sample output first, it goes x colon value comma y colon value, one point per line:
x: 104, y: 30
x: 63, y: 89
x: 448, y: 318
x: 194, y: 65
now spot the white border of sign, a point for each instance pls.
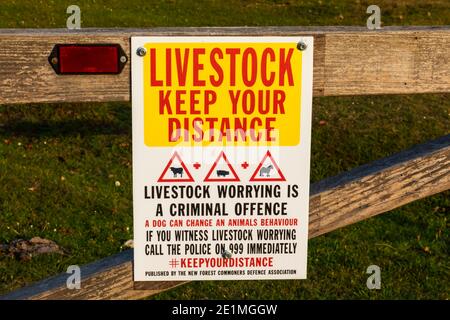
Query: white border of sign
x: 139, y: 156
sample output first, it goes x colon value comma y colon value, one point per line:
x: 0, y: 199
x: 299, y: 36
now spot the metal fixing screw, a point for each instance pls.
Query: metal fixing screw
x: 54, y: 60
x: 141, y: 51
x: 123, y: 59
x: 302, y: 46
x: 226, y: 254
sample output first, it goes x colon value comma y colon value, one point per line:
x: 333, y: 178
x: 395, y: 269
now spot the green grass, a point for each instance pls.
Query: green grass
x: 90, y: 146
x: 150, y: 13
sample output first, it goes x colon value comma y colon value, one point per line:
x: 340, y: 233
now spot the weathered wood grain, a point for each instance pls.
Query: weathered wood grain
x: 347, y: 61
x: 379, y: 186
x: 334, y: 203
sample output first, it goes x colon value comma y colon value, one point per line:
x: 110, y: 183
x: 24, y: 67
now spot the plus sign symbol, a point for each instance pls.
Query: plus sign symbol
x: 197, y: 165
x: 244, y: 165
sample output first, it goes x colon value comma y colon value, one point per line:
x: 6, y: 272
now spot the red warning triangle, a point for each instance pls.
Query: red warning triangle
x: 221, y: 174
x: 178, y: 173
x: 266, y: 173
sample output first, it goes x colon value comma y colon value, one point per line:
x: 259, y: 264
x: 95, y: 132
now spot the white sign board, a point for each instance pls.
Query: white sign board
x: 221, y: 152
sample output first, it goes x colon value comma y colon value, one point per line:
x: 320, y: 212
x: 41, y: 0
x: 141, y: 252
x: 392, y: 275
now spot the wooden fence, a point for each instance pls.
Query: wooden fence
x: 347, y: 61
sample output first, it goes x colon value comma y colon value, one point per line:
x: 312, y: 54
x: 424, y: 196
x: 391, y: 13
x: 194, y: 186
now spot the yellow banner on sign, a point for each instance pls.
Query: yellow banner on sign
x: 222, y: 94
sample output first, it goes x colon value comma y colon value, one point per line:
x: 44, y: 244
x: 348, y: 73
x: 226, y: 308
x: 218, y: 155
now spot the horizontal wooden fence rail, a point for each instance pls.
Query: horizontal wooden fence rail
x: 335, y: 202
x: 347, y: 61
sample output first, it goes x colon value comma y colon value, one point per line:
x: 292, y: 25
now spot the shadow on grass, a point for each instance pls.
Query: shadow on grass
x: 63, y: 128
x: 65, y: 120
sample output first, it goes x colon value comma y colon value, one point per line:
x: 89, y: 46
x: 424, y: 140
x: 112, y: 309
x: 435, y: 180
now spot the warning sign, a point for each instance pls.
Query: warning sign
x: 221, y: 150
x: 175, y: 171
x: 268, y: 170
x: 223, y: 172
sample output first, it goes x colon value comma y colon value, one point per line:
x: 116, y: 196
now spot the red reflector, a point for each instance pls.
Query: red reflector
x: 87, y: 59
